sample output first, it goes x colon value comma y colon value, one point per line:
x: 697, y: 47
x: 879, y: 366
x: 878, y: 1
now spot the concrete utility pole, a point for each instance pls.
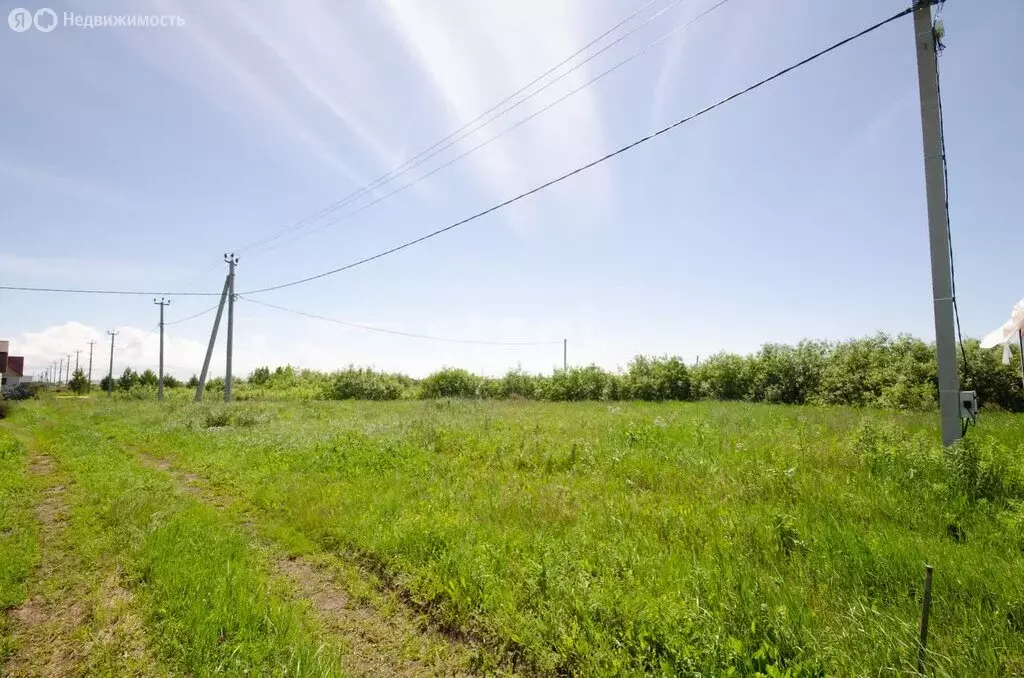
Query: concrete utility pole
x: 77, y: 352
x: 160, y: 382
x: 1020, y: 344
x: 67, y: 372
x: 213, y: 338
x: 565, y: 355
x: 938, y: 221
x: 232, y: 262
x: 91, y: 344
x: 110, y: 374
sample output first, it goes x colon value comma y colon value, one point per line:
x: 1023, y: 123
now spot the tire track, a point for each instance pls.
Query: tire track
x: 381, y: 635
x: 72, y: 623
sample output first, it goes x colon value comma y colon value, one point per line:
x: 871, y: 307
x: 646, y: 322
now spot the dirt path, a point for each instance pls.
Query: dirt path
x: 383, y: 637
x: 72, y: 622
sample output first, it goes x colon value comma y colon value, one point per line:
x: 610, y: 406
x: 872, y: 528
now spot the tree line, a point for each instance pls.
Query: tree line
x: 879, y: 371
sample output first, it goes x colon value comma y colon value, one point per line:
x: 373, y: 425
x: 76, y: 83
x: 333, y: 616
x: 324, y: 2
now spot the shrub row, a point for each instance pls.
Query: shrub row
x: 879, y: 371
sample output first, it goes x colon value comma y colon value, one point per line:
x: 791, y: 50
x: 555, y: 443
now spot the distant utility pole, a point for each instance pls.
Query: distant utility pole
x: 67, y: 372
x: 232, y: 262
x: 78, y: 351
x: 938, y: 220
x: 110, y: 374
x: 565, y: 355
x: 160, y: 383
x: 213, y: 338
x: 91, y: 344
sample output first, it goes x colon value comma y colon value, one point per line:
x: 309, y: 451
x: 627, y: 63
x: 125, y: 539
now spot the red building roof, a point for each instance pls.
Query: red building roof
x: 16, y: 365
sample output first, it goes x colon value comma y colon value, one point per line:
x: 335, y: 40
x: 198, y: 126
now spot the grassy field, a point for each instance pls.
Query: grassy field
x: 455, y: 537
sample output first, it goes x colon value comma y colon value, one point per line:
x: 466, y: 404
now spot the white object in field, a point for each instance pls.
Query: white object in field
x: 969, y: 405
x: 1008, y: 331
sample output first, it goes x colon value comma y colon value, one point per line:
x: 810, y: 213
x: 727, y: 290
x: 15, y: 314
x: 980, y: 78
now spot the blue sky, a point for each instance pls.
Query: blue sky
x: 132, y: 158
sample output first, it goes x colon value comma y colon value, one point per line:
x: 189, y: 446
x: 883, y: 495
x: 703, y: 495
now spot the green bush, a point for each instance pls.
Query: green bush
x: 657, y: 379
x: 723, y: 376
x: 450, y: 383
x: 260, y: 376
x: 79, y: 384
x: 127, y: 379
x: 579, y: 383
x: 365, y: 384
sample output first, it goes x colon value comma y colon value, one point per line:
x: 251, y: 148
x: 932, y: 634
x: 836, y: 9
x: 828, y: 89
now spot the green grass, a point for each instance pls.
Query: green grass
x: 586, y: 538
x: 207, y: 601
x: 19, y: 547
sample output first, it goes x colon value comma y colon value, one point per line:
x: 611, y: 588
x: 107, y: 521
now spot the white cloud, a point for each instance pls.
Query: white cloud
x: 477, y: 53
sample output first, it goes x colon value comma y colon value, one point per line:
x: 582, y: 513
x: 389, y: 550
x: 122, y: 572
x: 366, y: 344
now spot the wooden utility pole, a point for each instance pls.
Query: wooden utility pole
x: 160, y: 381
x: 926, y: 606
x: 938, y: 220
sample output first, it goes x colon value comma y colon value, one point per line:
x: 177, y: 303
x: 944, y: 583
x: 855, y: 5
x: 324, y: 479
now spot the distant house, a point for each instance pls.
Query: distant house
x: 12, y: 367
x: 15, y: 373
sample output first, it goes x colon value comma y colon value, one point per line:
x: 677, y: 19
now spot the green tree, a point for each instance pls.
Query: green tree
x: 79, y: 384
x: 105, y: 383
x: 127, y: 379
x: 171, y: 382
x: 259, y: 376
x: 148, y: 378
x: 193, y: 382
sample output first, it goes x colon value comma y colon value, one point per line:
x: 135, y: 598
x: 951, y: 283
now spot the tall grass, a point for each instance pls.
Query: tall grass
x: 19, y: 547
x: 210, y: 604
x: 667, y: 538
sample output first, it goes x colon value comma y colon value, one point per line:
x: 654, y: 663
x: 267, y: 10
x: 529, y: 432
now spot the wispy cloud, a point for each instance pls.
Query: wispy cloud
x: 47, y: 181
x: 476, y: 53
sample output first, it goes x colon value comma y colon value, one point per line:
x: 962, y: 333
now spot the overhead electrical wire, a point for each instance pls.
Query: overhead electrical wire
x: 583, y: 168
x: 401, y: 333
x: 510, y: 201
x: 191, y: 317
x: 462, y: 132
x: 63, y: 290
x: 502, y: 133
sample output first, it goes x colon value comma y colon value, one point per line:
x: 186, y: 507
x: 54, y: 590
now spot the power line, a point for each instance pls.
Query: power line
x: 62, y: 290
x: 191, y: 317
x: 400, y: 333
x: 497, y: 136
x: 593, y: 163
x: 461, y: 133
